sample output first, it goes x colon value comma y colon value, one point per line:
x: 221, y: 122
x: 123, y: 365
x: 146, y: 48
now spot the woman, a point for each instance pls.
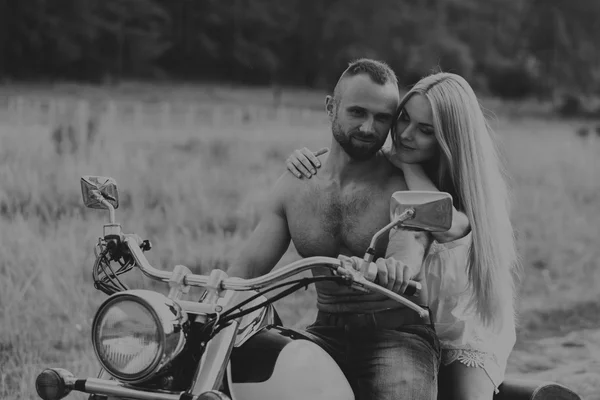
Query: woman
x: 442, y: 141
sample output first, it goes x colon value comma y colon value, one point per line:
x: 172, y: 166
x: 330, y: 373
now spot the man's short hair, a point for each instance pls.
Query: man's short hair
x: 378, y: 71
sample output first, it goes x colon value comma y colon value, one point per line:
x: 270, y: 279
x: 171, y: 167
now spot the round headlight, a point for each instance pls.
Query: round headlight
x: 135, y: 333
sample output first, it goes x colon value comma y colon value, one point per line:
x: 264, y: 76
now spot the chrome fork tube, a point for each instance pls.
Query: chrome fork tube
x: 210, y: 373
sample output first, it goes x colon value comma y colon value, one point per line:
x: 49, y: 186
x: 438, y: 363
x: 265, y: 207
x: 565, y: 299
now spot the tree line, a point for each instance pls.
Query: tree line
x: 513, y: 48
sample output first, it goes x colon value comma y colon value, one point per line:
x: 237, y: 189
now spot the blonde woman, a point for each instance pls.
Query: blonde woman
x: 442, y: 141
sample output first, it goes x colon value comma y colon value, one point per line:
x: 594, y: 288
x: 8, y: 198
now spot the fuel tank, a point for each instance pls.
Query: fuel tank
x: 282, y: 364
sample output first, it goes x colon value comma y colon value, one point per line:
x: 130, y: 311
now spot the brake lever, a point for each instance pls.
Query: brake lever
x: 357, y: 277
x: 359, y: 282
x: 368, y: 271
x: 353, y: 277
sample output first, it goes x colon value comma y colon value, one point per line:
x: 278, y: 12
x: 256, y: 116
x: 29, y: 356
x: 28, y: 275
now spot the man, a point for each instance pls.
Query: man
x: 385, y: 350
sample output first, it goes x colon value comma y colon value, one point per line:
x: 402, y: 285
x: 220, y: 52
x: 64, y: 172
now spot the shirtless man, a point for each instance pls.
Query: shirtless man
x: 385, y: 350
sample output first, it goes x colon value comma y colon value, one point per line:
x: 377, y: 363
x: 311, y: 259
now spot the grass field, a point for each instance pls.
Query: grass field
x: 193, y: 193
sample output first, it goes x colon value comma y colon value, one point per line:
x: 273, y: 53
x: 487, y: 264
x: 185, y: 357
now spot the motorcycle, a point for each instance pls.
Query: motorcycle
x: 230, y: 344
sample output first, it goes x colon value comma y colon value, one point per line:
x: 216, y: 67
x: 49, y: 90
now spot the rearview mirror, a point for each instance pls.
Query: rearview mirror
x: 431, y: 211
x: 95, y: 189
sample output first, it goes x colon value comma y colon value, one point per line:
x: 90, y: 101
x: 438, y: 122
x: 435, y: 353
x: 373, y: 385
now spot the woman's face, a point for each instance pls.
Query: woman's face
x: 415, y: 137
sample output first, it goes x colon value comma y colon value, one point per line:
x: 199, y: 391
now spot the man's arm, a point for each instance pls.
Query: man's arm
x: 269, y: 240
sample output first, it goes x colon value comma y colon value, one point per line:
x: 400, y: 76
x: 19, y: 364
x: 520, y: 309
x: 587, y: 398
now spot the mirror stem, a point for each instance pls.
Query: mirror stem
x: 111, y: 211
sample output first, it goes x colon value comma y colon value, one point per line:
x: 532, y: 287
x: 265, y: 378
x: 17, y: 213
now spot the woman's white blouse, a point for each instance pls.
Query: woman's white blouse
x: 462, y: 335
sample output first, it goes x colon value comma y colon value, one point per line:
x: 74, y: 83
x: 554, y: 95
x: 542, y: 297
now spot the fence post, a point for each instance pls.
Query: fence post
x: 138, y: 116
x: 190, y: 118
x: 20, y: 111
x: 110, y: 116
x: 165, y: 114
x: 82, y: 120
x: 217, y: 116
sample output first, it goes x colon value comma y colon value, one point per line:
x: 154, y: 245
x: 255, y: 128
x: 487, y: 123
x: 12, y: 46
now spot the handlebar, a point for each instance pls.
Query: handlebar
x: 141, y: 261
x: 238, y: 284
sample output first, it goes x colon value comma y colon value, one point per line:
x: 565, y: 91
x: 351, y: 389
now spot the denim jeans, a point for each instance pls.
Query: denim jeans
x: 382, y: 363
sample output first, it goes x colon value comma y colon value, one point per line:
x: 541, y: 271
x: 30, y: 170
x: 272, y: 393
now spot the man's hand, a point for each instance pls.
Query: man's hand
x: 390, y: 273
x: 393, y: 274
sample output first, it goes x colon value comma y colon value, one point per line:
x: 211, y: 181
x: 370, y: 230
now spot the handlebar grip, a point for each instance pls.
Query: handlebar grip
x: 413, y: 288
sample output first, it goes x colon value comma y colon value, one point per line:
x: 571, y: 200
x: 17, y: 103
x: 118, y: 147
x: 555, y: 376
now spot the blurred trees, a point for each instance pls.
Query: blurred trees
x: 81, y: 38
x: 512, y: 48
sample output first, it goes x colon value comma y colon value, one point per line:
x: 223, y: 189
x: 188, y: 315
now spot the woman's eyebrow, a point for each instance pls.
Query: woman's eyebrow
x: 420, y: 123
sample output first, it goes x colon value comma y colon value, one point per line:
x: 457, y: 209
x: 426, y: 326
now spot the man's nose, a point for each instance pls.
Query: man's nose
x: 368, y: 126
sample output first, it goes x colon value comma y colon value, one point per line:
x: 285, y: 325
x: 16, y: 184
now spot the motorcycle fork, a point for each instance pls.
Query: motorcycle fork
x: 214, y: 361
x: 215, y: 358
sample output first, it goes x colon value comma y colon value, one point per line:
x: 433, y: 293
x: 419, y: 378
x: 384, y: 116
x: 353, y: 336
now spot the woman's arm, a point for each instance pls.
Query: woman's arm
x: 417, y: 179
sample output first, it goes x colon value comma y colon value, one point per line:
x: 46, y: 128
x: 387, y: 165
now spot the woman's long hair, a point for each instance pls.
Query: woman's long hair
x: 469, y: 168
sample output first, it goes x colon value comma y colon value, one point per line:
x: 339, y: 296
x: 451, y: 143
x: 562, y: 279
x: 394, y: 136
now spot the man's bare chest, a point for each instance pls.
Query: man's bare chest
x: 327, y: 220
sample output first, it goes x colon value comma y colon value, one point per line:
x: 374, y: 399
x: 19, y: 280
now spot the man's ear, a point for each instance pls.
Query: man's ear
x: 330, y: 106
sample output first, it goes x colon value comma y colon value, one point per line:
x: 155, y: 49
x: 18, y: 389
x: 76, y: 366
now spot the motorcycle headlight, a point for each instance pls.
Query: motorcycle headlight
x: 136, y: 333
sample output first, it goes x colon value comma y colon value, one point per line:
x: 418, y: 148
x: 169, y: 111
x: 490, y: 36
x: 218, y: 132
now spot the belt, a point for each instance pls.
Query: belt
x: 387, y: 319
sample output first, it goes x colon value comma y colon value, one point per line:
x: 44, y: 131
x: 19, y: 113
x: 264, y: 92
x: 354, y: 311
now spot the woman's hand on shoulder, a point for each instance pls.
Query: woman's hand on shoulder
x: 389, y: 151
x: 303, y: 162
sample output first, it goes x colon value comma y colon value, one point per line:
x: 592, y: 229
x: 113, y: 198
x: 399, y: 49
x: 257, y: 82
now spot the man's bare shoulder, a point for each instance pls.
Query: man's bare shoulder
x: 284, y: 189
x: 288, y: 184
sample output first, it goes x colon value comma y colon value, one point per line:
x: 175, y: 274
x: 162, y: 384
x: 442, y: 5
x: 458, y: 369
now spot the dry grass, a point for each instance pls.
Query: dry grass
x: 194, y: 195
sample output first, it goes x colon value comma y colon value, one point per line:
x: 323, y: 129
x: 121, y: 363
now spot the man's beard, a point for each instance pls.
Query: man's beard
x: 357, y: 153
